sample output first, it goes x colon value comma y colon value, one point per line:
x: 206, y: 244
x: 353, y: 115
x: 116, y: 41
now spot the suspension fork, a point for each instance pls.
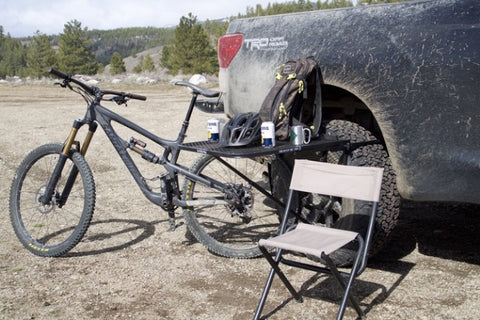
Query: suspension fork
x: 73, y: 174
x: 64, y: 155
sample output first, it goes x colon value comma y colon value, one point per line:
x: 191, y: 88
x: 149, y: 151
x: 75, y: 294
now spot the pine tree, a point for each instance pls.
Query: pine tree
x: 40, y: 56
x: 148, y: 64
x: 191, y: 50
x: 117, y: 65
x: 2, y: 41
x: 165, y: 58
x: 74, y: 55
x: 139, y: 67
x: 12, y: 57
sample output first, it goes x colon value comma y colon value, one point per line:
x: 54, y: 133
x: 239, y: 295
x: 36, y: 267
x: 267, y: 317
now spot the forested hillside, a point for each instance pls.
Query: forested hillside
x: 127, y: 41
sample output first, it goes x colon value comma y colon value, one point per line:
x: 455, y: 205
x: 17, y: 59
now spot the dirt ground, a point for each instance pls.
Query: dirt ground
x: 129, y: 266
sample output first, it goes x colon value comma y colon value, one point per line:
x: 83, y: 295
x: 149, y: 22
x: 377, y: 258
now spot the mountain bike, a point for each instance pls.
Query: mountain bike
x: 52, y: 197
x: 231, y: 197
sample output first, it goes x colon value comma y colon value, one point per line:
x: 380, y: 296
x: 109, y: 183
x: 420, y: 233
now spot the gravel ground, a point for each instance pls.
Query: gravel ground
x: 129, y: 266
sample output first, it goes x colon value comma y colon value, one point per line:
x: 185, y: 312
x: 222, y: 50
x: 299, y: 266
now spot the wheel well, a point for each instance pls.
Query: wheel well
x: 338, y: 103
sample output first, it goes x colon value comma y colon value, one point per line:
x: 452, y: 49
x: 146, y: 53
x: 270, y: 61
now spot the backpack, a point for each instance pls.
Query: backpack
x: 295, y: 98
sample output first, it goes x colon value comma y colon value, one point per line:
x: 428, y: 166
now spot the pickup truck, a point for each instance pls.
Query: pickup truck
x: 407, y: 74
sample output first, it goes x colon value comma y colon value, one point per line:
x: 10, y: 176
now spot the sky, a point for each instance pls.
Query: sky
x: 23, y: 18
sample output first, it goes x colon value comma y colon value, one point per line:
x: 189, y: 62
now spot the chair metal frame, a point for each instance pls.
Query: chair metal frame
x: 373, y: 178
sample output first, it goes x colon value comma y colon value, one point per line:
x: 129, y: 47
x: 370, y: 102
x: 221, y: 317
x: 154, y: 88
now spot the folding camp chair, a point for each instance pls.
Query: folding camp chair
x: 360, y: 183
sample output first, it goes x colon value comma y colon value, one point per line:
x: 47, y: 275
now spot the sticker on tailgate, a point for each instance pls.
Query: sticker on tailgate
x: 272, y: 43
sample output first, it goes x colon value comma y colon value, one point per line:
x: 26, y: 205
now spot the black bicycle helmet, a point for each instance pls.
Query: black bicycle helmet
x: 242, y: 129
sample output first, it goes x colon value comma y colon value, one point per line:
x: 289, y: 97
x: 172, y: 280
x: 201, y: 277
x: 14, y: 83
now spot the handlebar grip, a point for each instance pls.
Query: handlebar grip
x: 58, y: 73
x: 137, y: 96
x: 69, y: 78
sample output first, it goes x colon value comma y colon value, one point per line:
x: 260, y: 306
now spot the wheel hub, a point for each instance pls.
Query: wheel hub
x: 241, y: 201
x: 45, y: 208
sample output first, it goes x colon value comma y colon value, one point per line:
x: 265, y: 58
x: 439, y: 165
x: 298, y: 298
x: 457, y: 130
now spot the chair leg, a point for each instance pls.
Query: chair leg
x: 281, y: 275
x: 346, y: 287
x: 263, y: 298
x: 275, y: 269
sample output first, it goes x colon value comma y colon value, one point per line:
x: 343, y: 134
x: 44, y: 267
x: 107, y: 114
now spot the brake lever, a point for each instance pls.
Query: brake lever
x: 64, y: 84
x: 120, y: 100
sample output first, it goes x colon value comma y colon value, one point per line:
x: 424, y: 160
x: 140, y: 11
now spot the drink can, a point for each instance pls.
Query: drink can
x: 268, y: 134
x: 213, y: 130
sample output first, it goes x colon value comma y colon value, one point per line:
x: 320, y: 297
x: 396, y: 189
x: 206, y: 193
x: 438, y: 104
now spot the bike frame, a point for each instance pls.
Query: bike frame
x: 170, y: 196
x: 104, y: 117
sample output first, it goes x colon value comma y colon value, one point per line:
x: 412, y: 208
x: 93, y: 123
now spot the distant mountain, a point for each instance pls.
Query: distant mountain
x: 127, y: 41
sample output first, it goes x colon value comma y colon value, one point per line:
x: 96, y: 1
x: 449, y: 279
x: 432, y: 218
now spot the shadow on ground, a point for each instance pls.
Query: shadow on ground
x: 448, y: 231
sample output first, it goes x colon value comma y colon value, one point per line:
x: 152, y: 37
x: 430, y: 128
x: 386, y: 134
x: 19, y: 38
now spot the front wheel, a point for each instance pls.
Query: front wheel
x: 233, y: 229
x: 51, y: 228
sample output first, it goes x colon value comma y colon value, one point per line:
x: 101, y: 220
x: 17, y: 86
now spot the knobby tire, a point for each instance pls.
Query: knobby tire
x: 48, y: 230
x: 214, y: 226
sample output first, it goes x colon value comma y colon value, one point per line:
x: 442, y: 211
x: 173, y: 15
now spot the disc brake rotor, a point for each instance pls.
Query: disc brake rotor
x: 44, y: 209
x: 240, y: 200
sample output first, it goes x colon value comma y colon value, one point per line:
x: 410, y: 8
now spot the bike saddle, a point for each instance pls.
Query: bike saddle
x: 198, y: 90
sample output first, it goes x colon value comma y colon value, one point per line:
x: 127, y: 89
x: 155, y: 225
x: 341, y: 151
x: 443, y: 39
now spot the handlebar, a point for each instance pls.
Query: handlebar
x: 94, y: 90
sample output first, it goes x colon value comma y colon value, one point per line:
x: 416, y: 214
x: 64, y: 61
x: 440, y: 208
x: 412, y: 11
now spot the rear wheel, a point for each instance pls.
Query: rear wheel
x: 233, y: 230
x: 51, y: 229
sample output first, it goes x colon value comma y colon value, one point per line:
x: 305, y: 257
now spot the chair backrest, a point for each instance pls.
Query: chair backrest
x: 361, y: 183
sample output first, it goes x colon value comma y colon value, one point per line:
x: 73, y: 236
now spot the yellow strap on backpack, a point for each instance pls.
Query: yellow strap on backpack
x: 282, y: 112
x: 301, y: 86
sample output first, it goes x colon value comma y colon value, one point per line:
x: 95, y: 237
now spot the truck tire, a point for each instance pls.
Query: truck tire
x: 354, y: 214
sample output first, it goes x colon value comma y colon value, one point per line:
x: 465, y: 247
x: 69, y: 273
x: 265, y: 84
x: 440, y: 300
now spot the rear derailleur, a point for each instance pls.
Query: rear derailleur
x: 240, y: 201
